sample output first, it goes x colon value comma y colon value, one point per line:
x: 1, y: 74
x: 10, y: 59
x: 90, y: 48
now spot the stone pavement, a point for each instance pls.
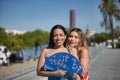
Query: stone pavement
x: 106, y: 66
x: 30, y: 76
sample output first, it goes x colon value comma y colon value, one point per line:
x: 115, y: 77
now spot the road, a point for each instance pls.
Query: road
x: 106, y: 66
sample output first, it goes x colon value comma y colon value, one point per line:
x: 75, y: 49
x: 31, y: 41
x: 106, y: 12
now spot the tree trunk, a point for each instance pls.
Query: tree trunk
x: 111, y: 25
x: 22, y: 53
x: 36, y: 49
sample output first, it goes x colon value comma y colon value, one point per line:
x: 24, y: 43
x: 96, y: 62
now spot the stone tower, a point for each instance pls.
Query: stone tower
x: 72, y: 19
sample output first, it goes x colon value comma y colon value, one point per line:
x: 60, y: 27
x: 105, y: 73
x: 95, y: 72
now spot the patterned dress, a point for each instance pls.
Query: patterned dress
x: 59, y: 78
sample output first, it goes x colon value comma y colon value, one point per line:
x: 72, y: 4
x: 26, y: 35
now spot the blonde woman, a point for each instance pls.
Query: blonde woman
x: 77, y: 46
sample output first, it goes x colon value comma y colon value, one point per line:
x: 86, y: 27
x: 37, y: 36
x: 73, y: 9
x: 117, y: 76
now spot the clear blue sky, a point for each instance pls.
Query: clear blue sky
x: 29, y: 15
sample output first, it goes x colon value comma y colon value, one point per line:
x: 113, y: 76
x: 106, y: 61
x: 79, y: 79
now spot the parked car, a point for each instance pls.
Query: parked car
x: 109, y: 45
x: 15, y: 57
x: 4, y: 55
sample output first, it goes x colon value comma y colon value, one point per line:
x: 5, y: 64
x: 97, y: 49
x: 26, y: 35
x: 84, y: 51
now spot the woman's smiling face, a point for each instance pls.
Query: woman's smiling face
x: 59, y: 37
x: 73, y: 39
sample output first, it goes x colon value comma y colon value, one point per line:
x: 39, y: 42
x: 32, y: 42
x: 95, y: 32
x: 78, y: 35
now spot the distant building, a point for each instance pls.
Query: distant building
x: 90, y: 37
x: 15, y: 32
x: 114, y: 40
x: 72, y: 19
x: 90, y: 34
x: 87, y: 32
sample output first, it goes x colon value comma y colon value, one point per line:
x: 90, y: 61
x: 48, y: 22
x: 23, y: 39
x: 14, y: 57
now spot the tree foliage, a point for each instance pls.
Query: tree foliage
x: 4, y: 40
x: 117, y: 32
x: 18, y: 42
x: 109, y: 9
x: 102, y: 37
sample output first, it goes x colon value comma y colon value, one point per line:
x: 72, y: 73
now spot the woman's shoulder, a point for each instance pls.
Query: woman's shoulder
x: 44, y: 51
x: 47, y: 51
x: 84, y: 51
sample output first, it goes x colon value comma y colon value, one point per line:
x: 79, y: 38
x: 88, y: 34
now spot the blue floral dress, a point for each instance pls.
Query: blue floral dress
x: 59, y: 78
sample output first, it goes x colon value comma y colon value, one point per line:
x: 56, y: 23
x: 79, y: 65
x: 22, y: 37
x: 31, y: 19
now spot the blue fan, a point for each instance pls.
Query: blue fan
x: 62, y: 61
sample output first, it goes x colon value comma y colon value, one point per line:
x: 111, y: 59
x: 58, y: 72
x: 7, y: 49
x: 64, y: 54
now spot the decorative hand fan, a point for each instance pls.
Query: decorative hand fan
x: 62, y: 61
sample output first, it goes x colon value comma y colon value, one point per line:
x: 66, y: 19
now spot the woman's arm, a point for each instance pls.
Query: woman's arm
x: 85, y: 60
x: 41, y: 63
x: 77, y: 76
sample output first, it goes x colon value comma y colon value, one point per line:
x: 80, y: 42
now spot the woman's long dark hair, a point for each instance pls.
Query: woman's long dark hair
x: 51, y: 42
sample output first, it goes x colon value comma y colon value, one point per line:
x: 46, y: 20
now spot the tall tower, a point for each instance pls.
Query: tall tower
x: 72, y: 19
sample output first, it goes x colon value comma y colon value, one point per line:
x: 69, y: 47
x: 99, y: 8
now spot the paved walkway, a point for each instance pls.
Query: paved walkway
x: 106, y: 66
x: 30, y: 76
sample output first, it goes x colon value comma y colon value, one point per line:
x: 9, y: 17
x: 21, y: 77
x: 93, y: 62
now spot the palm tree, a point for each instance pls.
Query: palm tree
x: 105, y: 23
x: 109, y: 10
x: 117, y: 32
